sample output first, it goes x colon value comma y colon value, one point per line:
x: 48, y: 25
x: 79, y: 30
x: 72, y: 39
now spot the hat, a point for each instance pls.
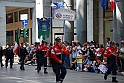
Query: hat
x: 43, y: 41
x: 37, y: 42
x: 112, y: 42
x: 56, y: 39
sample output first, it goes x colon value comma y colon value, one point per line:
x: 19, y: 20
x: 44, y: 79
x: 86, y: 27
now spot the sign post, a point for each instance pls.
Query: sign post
x: 24, y: 18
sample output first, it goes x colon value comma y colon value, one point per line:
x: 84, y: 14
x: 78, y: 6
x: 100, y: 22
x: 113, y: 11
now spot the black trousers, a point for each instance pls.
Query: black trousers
x: 122, y: 66
x: 11, y: 61
x: 1, y: 61
x: 112, y: 67
x: 60, y: 71
x: 42, y: 61
x: 22, y: 63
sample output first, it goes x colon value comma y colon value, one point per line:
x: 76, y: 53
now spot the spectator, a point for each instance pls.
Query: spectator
x: 103, y: 66
x: 122, y: 58
x: 107, y: 42
x: 74, y: 54
x: 79, y: 60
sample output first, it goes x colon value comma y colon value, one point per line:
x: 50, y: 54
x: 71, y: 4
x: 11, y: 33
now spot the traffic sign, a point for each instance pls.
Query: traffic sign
x: 24, y: 22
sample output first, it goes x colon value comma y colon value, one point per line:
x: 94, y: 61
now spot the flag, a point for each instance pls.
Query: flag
x: 9, y: 17
x: 104, y: 4
x: 16, y: 47
x: 43, y: 28
x: 55, y: 6
x: 112, y: 4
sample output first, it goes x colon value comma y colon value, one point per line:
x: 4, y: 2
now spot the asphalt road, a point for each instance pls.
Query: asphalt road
x: 30, y: 75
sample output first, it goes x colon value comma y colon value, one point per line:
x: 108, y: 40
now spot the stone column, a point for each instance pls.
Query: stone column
x: 100, y: 26
x: 2, y: 25
x: 120, y: 20
x: 69, y: 25
x: 81, y: 17
x: 89, y: 20
x: 37, y: 13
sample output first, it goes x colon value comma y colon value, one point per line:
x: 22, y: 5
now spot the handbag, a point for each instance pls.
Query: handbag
x: 121, y: 55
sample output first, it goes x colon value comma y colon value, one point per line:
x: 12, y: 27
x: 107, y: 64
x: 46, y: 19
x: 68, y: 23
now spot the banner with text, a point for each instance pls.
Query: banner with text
x: 64, y: 14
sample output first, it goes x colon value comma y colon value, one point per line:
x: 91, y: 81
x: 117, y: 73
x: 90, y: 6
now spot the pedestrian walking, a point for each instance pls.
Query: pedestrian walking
x: 111, y: 53
x: 9, y: 54
x: 58, y: 54
x: 1, y: 55
x: 22, y: 55
x: 42, y: 57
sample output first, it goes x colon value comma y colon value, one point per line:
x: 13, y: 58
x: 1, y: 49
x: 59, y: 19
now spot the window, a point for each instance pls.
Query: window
x: 16, y: 16
x: 9, y: 18
x: 108, y: 5
x: 23, y: 12
x: 9, y: 37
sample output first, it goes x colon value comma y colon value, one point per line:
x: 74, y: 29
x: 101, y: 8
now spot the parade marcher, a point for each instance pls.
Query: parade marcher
x: 58, y: 54
x: 42, y: 59
x: 9, y: 54
x: 1, y: 55
x: 36, y: 50
x: 48, y: 54
x: 22, y: 55
x: 111, y: 53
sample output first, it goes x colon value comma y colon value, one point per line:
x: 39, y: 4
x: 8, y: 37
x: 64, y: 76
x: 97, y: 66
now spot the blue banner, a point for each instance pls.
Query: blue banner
x: 43, y: 27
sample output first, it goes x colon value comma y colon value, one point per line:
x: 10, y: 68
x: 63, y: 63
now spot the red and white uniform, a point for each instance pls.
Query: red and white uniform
x: 109, y: 51
x: 58, y: 50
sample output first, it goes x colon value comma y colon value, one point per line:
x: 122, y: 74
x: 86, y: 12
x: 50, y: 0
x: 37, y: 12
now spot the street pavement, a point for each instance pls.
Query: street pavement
x: 30, y: 75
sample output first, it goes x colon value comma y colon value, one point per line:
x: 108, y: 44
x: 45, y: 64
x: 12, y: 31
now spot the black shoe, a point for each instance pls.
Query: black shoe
x: 23, y: 69
x: 58, y: 82
x: 38, y: 70
x: 114, y: 79
x: 45, y: 72
x: 6, y: 67
x: 11, y: 67
x: 2, y: 65
x: 105, y: 76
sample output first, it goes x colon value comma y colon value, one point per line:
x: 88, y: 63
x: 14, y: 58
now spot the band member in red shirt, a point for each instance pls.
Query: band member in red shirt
x: 111, y: 53
x: 58, y: 53
x: 42, y: 57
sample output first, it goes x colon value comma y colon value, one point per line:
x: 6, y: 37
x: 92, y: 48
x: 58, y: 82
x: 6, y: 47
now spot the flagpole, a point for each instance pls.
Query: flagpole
x: 18, y: 30
x: 51, y: 26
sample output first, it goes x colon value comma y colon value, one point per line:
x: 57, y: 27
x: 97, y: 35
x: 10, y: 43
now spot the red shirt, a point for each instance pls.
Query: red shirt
x: 58, y: 50
x: 43, y: 48
x: 109, y: 51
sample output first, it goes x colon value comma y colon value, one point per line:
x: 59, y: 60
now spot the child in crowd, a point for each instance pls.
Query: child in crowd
x: 88, y: 64
x: 78, y: 61
x: 103, y: 66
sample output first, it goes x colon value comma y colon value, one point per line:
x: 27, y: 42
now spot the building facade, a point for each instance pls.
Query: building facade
x: 98, y: 22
